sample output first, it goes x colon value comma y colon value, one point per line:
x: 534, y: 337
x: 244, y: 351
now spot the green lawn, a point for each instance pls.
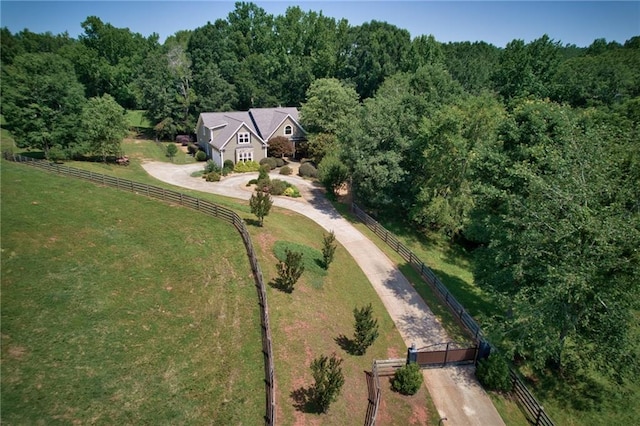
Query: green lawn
x: 119, y: 310
x: 305, y: 324
x: 136, y: 118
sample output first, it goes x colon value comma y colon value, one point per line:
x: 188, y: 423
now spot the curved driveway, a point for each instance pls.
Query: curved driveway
x: 455, y: 391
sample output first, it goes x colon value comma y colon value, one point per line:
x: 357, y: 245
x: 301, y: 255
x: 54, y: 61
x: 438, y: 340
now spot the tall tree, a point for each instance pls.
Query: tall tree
x: 104, y: 125
x: 260, y: 203
x: 560, y: 234
x: 329, y: 108
x: 377, y: 50
x: 528, y: 69
x: 445, y: 150
x: 41, y: 101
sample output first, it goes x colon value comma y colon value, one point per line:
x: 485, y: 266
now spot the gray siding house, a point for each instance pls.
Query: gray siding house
x: 244, y: 135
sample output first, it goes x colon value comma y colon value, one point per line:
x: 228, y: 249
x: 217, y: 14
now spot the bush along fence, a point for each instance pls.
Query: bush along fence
x: 203, y: 206
x: 532, y: 409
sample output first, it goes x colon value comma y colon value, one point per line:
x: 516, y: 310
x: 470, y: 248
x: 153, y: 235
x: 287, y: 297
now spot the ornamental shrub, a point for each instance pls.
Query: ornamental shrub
x: 277, y: 187
x: 307, y: 170
x: 280, y: 162
x: 201, y: 156
x: 408, y: 379
x: 246, y: 166
x: 228, y: 164
x: 211, y: 166
x: 192, y: 149
x: 270, y: 161
x: 184, y: 140
x: 493, y: 373
x: 212, y: 177
x: 286, y: 170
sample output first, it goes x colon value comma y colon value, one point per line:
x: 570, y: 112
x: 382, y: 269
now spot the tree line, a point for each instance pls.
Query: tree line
x: 529, y: 154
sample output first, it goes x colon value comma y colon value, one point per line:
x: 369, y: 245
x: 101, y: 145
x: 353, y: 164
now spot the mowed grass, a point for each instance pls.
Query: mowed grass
x: 315, y: 319
x: 117, y: 309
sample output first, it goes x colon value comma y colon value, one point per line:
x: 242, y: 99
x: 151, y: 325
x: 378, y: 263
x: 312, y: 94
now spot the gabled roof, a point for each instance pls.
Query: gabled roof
x: 267, y: 120
x: 262, y: 122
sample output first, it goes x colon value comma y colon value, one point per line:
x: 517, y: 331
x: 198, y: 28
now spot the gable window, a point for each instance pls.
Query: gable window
x: 244, y: 138
x: 288, y: 130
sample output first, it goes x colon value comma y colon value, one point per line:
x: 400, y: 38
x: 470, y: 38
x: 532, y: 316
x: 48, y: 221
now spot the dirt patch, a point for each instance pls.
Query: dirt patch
x: 16, y: 352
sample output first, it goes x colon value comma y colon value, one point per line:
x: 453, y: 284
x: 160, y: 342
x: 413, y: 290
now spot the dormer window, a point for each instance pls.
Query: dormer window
x: 244, y: 138
x: 288, y: 130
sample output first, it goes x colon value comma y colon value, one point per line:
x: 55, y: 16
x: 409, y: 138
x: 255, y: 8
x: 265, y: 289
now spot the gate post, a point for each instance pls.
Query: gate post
x: 412, y: 354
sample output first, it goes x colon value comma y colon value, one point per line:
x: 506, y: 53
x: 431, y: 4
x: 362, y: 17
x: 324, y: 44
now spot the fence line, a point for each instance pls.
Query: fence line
x: 532, y: 408
x: 379, y: 368
x: 203, y: 206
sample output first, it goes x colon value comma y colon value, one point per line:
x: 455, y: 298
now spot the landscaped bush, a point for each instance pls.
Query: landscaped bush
x: 192, y: 149
x: 201, y: 156
x: 292, y: 192
x: 280, y: 162
x: 252, y: 182
x: 408, y: 379
x: 277, y: 187
x: 493, y: 373
x: 246, y: 166
x: 211, y: 166
x: 286, y: 170
x: 307, y: 170
x: 212, y: 177
x: 227, y: 167
x: 270, y: 161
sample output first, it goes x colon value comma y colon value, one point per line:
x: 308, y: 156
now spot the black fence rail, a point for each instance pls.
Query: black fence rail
x: 202, y: 206
x: 534, y: 411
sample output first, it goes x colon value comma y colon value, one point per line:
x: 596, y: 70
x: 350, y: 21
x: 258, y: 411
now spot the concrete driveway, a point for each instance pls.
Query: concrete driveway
x: 455, y: 391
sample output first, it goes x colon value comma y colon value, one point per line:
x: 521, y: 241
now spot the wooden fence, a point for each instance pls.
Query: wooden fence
x: 203, y: 206
x: 379, y: 368
x: 530, y: 405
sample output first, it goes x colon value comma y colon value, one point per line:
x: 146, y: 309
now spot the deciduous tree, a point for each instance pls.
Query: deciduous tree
x: 104, y: 125
x: 260, y: 204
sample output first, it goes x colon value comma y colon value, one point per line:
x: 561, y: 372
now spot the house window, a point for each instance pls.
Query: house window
x: 288, y: 130
x: 245, y: 156
x: 244, y: 138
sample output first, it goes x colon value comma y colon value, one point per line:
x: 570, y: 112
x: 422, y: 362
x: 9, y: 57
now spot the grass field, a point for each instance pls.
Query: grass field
x: 119, y: 310
x: 305, y: 324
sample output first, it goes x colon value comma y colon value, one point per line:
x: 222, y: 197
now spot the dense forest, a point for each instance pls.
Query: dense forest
x: 528, y: 155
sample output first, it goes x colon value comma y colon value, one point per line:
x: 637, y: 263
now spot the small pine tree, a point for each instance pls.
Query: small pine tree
x: 329, y: 379
x: 290, y: 270
x: 172, y: 150
x: 260, y: 204
x: 408, y: 379
x: 366, y: 329
x: 328, y: 249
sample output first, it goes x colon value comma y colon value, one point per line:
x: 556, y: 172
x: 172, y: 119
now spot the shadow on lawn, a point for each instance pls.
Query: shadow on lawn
x: 346, y: 344
x: 304, y: 400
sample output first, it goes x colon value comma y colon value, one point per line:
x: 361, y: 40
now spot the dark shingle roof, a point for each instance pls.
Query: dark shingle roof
x: 261, y: 121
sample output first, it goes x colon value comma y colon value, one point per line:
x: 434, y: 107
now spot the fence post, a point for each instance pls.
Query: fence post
x: 540, y: 410
x: 446, y: 354
x: 412, y: 354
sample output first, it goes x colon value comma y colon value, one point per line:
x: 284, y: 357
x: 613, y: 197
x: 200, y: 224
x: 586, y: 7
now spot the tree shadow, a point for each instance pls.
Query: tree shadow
x: 253, y: 222
x: 320, y: 263
x: 304, y: 400
x: 279, y: 285
x: 346, y: 344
